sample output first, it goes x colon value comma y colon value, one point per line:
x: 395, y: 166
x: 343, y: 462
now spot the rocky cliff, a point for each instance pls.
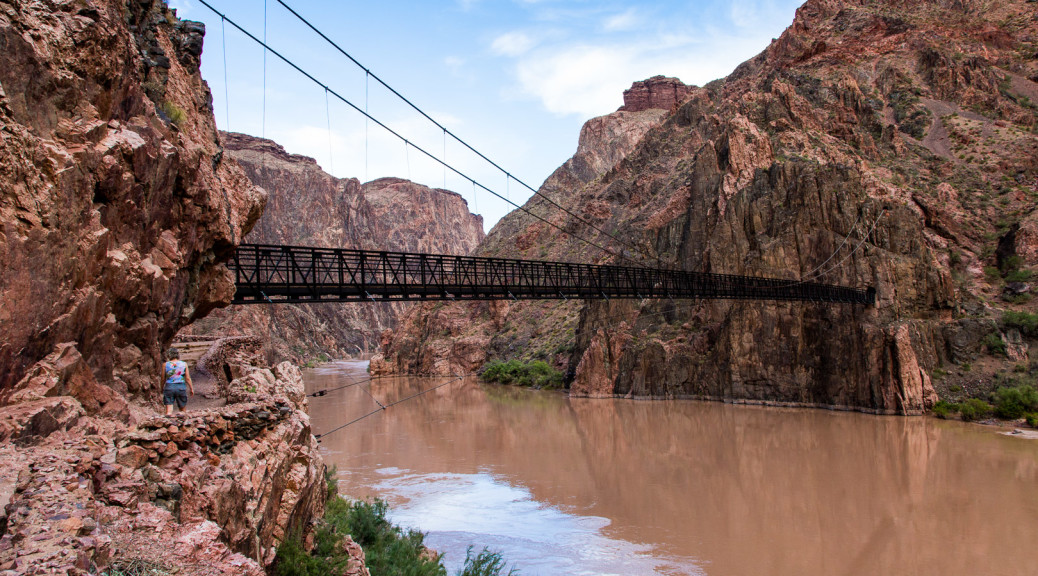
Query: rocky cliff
x: 873, y: 144
x: 307, y: 206
x: 117, y: 206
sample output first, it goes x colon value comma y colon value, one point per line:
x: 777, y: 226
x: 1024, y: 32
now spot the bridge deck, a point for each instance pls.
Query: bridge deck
x: 297, y: 274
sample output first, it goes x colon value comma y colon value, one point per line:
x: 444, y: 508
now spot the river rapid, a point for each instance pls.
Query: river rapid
x: 579, y: 486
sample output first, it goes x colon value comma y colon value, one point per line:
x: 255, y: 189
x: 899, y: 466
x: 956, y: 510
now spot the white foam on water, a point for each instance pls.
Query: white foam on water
x: 459, y: 510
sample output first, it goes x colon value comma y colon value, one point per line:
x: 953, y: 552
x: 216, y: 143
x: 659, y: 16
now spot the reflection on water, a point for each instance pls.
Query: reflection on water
x: 578, y: 486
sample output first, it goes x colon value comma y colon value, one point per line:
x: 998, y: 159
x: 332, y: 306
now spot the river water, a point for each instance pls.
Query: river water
x: 580, y: 486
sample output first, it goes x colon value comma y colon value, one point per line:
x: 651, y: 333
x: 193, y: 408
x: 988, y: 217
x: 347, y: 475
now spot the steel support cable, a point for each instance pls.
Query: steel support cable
x: 815, y: 274
x: 447, y: 132
x: 866, y: 237
x: 263, y: 131
x: 838, y: 248
x: 372, y: 396
x: 406, y: 141
x: 390, y: 405
x: 226, y: 89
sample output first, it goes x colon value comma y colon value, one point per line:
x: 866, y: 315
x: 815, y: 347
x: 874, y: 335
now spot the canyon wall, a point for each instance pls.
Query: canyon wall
x: 117, y: 207
x: 874, y: 143
x: 307, y: 206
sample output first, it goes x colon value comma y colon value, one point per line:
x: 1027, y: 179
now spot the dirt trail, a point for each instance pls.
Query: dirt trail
x: 207, y: 393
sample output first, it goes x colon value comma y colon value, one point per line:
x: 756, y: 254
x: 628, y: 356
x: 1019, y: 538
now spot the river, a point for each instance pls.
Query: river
x: 578, y: 486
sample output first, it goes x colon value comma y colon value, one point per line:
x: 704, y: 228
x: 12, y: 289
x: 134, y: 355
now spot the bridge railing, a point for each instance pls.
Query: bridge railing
x: 268, y: 274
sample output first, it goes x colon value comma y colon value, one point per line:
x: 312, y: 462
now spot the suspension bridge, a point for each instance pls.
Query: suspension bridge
x: 268, y: 274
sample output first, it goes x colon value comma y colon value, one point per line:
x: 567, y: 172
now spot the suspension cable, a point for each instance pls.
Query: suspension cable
x: 425, y: 152
x: 463, y: 142
x: 226, y: 89
x: 263, y: 131
x: 864, y: 238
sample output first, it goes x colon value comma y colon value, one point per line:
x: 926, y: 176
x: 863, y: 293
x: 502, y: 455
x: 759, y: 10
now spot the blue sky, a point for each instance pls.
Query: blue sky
x: 514, y: 78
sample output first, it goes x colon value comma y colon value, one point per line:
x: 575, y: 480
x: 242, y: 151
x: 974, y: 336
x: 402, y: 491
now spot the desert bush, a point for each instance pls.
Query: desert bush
x: 486, y: 563
x: 1013, y: 403
x: 944, y: 409
x: 1025, y: 322
x: 994, y: 344
x: 536, y: 374
x: 974, y: 409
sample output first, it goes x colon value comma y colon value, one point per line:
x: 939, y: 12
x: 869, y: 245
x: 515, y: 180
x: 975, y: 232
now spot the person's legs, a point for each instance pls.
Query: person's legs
x: 167, y: 399
x: 181, y: 398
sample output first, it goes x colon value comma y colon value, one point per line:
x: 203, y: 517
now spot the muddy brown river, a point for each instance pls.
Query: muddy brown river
x: 579, y: 486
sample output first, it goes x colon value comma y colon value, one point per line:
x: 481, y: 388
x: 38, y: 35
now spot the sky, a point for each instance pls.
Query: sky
x: 516, y: 79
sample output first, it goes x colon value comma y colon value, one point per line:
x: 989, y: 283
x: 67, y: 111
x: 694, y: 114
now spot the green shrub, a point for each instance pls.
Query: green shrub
x: 536, y: 374
x: 1025, y: 322
x: 502, y: 372
x: 1032, y: 419
x: 1013, y: 403
x: 943, y: 409
x: 994, y: 343
x: 974, y: 409
x: 486, y: 563
x: 173, y: 112
x: 992, y: 273
x: 1019, y: 276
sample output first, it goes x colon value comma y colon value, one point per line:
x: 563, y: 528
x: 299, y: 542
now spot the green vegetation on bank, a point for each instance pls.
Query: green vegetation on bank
x: 536, y: 374
x: 388, y: 549
x: 1025, y: 322
x: 1007, y: 402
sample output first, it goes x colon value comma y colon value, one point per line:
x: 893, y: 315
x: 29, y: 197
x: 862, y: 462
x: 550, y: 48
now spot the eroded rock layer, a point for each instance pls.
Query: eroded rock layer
x: 874, y: 144
x: 116, y: 207
x: 309, y: 207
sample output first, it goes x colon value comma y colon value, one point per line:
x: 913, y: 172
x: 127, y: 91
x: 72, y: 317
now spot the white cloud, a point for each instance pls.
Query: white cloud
x: 624, y: 21
x: 512, y: 44
x: 589, y: 79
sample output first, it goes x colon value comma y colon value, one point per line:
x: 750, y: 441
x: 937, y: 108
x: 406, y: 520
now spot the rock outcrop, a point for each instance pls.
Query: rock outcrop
x: 872, y: 144
x: 308, y: 206
x: 656, y: 92
x: 116, y: 206
x: 218, y: 488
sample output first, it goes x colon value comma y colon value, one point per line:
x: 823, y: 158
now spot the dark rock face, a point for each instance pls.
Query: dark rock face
x: 656, y: 92
x: 307, y: 206
x: 114, y: 214
x: 862, y: 148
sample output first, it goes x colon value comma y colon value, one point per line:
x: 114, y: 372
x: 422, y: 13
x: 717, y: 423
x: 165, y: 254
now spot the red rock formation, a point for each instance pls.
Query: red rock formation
x: 116, y: 206
x: 656, y: 92
x: 873, y: 144
x: 307, y: 206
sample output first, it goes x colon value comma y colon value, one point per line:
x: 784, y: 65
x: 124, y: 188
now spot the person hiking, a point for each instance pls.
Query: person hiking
x: 176, y: 382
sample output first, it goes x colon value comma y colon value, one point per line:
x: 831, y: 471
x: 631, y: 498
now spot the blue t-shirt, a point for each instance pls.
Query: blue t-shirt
x: 175, y: 371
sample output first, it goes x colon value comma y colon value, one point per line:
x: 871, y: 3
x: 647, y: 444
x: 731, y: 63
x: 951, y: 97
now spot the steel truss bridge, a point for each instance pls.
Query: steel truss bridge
x: 267, y: 274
